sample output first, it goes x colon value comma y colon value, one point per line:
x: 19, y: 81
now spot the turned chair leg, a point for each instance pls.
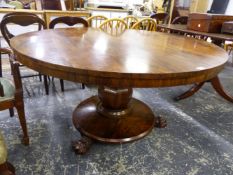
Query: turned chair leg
x: 62, y: 85
x: 46, y: 85
x: 83, y: 86
x: 7, y: 169
x: 11, y: 110
x: 22, y: 120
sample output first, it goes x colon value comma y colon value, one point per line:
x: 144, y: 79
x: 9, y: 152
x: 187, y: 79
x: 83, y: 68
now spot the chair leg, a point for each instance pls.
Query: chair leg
x: 83, y: 86
x: 7, y: 169
x: 11, y: 110
x: 62, y: 85
x: 0, y: 64
x: 22, y: 120
x: 46, y: 85
x: 40, y: 76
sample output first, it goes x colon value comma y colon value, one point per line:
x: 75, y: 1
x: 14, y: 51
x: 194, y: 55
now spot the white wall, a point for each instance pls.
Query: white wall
x: 229, y: 10
x: 210, y: 3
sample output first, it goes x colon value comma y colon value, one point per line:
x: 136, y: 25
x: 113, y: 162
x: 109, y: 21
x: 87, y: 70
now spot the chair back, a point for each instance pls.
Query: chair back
x: 145, y: 24
x: 160, y: 17
x: 50, y: 5
x: 130, y: 20
x: 180, y: 20
x: 68, y: 20
x: 95, y: 21
x: 19, y: 18
x: 114, y: 26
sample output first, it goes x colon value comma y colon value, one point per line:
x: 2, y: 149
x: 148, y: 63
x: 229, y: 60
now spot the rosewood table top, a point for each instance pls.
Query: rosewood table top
x: 133, y: 59
x: 116, y: 65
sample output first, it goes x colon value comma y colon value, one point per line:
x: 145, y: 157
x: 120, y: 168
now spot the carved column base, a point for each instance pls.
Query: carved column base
x: 113, y: 117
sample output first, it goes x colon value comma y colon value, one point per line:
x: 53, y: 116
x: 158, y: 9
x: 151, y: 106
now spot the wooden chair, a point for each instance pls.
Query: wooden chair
x: 22, y: 19
x: 70, y: 21
x: 145, y: 24
x: 160, y: 18
x: 114, y: 26
x: 130, y: 20
x: 11, y: 95
x: 50, y: 5
x: 180, y: 20
x: 95, y: 21
x: 6, y: 168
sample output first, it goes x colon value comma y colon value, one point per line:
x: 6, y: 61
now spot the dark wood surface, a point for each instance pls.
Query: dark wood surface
x: 91, y: 56
x: 205, y: 22
x: 183, y: 29
x: 116, y: 64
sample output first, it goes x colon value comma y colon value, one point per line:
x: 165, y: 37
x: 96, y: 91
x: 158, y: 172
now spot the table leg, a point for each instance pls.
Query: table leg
x: 190, y: 92
x: 215, y: 82
x: 113, y: 117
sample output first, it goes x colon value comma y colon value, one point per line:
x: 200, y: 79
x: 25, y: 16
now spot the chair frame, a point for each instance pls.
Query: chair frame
x: 151, y: 24
x: 129, y: 20
x: 7, y: 168
x: 17, y: 101
x: 163, y: 17
x: 23, y: 19
x: 68, y: 20
x: 180, y: 20
x: 108, y: 26
x: 96, y: 18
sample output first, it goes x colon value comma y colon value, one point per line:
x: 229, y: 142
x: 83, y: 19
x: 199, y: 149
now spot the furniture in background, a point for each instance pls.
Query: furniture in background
x: 22, y: 19
x: 48, y: 14
x: 130, y: 20
x: 68, y: 20
x: 6, y: 168
x: 117, y: 65
x: 16, y: 4
x: 114, y: 26
x: 95, y: 21
x: 108, y: 13
x: 11, y: 95
x: 50, y: 5
x: 220, y: 37
x: 180, y: 20
x: 209, y: 23
x: 161, y: 18
x: 148, y: 24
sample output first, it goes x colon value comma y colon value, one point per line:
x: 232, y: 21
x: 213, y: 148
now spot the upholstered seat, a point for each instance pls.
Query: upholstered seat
x: 5, y: 167
x: 8, y: 88
x: 3, y: 150
x: 11, y: 95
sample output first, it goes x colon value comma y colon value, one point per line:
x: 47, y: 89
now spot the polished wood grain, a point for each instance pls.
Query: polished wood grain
x: 155, y: 60
x: 117, y: 64
x: 217, y: 39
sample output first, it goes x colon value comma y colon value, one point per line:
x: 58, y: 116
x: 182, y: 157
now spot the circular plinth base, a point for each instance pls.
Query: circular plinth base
x: 125, y: 127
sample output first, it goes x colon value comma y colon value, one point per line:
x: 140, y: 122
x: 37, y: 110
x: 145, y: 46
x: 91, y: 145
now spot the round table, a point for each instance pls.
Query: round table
x: 116, y: 65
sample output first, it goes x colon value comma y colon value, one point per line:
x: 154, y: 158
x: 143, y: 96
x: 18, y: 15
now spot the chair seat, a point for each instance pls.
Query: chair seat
x: 9, y: 89
x: 3, y: 150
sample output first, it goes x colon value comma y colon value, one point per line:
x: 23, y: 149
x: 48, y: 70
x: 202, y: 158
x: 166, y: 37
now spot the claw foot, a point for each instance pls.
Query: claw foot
x: 160, y: 122
x: 81, y: 146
